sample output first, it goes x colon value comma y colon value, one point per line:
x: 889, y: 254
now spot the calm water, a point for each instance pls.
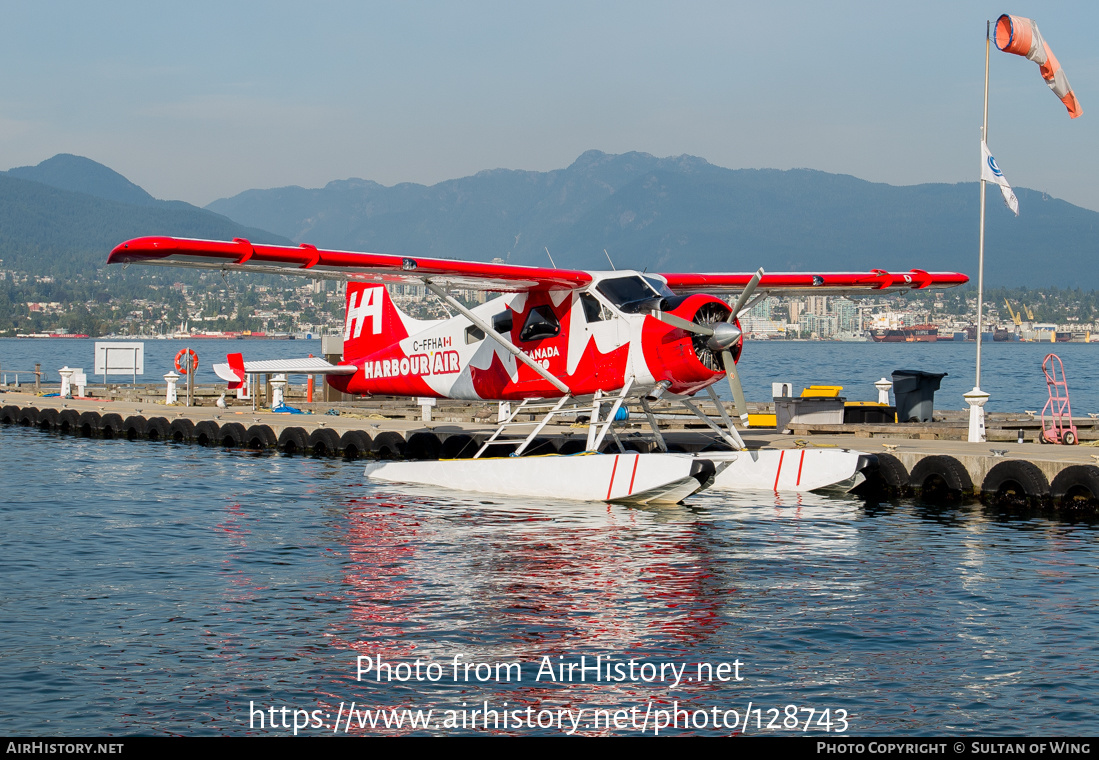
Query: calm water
x: 1011, y: 372
x: 164, y: 589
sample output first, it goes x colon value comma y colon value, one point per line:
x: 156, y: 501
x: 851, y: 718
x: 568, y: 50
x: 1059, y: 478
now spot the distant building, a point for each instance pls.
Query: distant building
x: 847, y: 318
x: 817, y: 326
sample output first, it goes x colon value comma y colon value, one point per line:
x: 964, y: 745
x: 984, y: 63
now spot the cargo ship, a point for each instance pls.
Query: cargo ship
x: 913, y: 334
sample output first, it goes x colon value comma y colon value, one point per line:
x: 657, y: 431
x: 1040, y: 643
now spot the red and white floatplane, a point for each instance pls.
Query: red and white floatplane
x: 559, y: 345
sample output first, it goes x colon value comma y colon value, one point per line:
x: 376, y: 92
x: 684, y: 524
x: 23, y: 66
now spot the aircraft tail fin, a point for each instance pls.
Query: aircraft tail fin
x: 236, y: 367
x: 372, y: 321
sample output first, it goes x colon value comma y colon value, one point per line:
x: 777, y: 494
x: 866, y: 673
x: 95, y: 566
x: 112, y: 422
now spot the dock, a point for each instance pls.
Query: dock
x: 927, y: 460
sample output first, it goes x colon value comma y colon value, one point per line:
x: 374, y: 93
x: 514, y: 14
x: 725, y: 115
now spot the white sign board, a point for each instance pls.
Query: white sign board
x: 119, y: 359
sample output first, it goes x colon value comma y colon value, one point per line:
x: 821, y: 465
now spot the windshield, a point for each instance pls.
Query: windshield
x: 622, y: 291
x: 660, y: 287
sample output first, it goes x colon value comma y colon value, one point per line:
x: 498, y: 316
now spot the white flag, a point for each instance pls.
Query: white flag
x: 990, y: 172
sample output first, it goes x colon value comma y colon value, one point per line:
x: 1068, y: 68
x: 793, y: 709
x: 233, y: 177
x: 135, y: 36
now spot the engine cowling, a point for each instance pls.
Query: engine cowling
x: 687, y: 360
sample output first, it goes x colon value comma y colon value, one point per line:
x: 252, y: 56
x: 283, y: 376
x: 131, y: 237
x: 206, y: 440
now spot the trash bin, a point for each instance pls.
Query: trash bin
x: 914, y: 391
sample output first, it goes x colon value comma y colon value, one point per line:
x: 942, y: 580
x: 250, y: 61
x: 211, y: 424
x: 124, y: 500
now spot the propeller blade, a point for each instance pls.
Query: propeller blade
x: 740, y: 404
x: 683, y: 324
x: 746, y: 294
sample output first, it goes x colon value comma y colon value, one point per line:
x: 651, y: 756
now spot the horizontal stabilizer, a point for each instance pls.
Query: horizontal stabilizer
x: 308, y: 366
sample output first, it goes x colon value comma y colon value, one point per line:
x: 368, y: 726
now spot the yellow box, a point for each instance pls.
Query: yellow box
x: 822, y: 391
x: 762, y: 420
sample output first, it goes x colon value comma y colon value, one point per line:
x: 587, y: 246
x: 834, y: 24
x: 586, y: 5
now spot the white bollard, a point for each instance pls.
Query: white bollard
x: 426, y: 402
x: 976, y: 399
x: 278, y: 385
x: 172, y: 394
x: 883, y: 387
x: 66, y: 380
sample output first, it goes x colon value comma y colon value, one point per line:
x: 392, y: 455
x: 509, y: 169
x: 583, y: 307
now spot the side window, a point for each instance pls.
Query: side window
x: 474, y: 334
x: 593, y: 310
x: 541, y: 323
x: 501, y: 323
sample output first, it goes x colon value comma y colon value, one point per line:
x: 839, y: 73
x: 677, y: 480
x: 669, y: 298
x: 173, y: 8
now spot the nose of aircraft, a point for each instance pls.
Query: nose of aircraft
x: 726, y: 334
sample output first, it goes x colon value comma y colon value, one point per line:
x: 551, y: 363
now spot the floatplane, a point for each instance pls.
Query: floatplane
x: 557, y: 344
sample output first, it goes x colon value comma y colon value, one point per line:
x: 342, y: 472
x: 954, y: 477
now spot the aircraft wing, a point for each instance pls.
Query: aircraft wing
x: 309, y: 366
x: 310, y: 261
x: 808, y: 283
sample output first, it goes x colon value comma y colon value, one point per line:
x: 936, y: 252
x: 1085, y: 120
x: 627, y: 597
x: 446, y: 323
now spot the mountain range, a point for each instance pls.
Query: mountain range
x: 64, y: 216
x: 663, y: 214
x: 685, y: 214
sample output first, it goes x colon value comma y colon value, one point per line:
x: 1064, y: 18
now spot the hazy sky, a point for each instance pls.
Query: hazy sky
x: 197, y: 100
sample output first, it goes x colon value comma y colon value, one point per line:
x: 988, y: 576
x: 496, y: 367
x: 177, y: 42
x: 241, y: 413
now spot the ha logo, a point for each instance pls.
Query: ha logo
x: 369, y: 306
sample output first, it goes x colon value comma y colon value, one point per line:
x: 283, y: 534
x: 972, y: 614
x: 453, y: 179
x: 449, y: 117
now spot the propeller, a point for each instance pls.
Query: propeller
x: 721, y: 337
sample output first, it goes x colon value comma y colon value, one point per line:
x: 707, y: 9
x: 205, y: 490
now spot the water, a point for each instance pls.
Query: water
x: 1011, y: 372
x: 166, y: 589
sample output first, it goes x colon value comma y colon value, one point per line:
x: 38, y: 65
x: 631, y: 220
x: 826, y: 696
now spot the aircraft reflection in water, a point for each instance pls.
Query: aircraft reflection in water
x: 556, y: 580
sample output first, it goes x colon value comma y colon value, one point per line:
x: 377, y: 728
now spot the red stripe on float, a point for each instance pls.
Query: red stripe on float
x: 636, y: 459
x: 800, y: 465
x: 613, y: 470
x: 781, y: 454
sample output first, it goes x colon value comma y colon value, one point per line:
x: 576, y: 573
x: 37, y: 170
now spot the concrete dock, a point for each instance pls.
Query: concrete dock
x: 923, y: 459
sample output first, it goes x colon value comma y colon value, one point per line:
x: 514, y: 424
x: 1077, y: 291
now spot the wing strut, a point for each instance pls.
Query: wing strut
x: 513, y: 349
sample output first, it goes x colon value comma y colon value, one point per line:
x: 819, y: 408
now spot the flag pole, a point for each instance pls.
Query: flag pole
x: 976, y: 398
x: 981, y: 245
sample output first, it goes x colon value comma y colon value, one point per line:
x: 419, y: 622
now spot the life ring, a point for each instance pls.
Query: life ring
x: 188, y: 365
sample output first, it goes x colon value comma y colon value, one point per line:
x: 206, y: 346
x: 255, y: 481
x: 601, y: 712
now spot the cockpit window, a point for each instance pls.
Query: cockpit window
x: 630, y: 294
x: 593, y: 310
x: 541, y: 323
x: 501, y: 323
x: 474, y: 334
x: 660, y: 287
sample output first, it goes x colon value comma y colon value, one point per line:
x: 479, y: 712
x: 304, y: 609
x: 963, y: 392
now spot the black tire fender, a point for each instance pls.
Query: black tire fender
x: 47, y: 419
x: 89, y: 424
x: 458, y: 446
x: 355, y: 444
x: 28, y: 417
x: 260, y: 437
x: 134, y: 427
x: 1076, y: 487
x: 207, y: 433
x: 324, y: 442
x: 110, y: 425
x: 68, y: 421
x: 158, y: 429
x: 9, y: 415
x: 423, y: 446
x: 389, y: 445
x: 940, y: 478
x: 232, y: 435
x: 541, y: 446
x: 293, y: 440
x: 181, y: 430
x: 893, y: 474
x: 573, y: 446
x: 1015, y: 483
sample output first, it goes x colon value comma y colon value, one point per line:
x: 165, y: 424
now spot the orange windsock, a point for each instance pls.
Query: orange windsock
x: 1018, y: 35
